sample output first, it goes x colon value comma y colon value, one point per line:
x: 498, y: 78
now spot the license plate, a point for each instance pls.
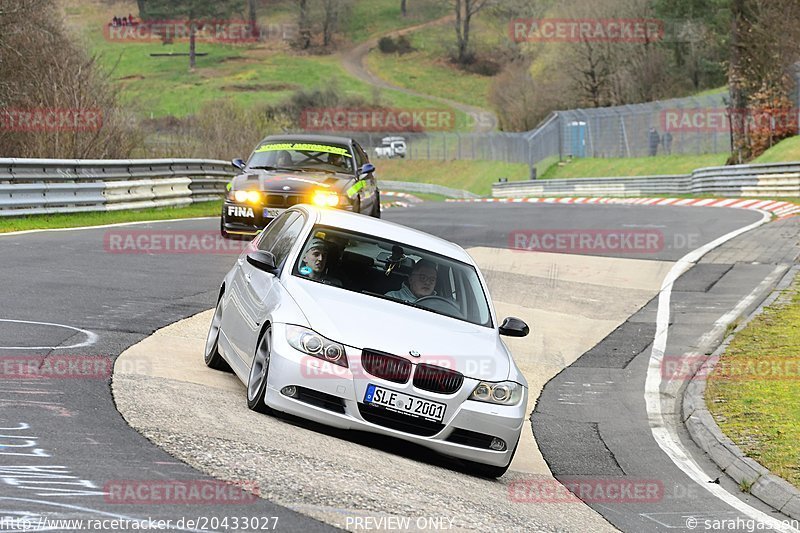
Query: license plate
x: 403, y: 403
x: 272, y: 212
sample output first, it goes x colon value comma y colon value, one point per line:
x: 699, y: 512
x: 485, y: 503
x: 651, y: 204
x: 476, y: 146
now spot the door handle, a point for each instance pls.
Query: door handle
x: 247, y: 278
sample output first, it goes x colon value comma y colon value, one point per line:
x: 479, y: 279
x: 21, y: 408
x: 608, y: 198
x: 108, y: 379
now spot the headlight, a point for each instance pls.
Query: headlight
x: 325, y: 199
x: 312, y: 343
x: 503, y: 393
x: 253, y: 197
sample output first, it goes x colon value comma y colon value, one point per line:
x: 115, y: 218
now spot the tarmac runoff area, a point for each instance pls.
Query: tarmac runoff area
x: 164, y: 391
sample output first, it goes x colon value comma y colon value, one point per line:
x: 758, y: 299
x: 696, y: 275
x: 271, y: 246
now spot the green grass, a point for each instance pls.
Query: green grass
x: 474, y: 176
x: 786, y: 150
x: 635, y: 166
x: 428, y: 70
x: 373, y: 17
x: 249, y: 74
x: 758, y: 409
x: 76, y: 220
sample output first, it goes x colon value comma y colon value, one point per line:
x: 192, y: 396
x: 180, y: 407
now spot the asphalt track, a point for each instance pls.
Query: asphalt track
x: 71, y: 427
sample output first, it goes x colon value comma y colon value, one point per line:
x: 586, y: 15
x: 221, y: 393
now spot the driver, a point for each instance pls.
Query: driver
x: 314, y: 262
x: 284, y: 159
x: 420, y: 283
x: 336, y: 160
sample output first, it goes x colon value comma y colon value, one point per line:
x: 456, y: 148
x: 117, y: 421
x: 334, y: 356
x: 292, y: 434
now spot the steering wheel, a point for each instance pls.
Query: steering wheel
x: 435, y: 300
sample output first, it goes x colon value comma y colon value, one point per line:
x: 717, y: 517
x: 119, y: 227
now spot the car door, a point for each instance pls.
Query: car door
x: 261, y: 298
x: 370, y: 187
x: 237, y: 313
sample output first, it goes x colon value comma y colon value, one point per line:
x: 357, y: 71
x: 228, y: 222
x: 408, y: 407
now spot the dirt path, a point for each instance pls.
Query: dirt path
x: 354, y: 62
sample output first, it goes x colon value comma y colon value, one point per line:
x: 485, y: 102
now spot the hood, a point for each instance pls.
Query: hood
x: 278, y: 181
x: 362, y: 321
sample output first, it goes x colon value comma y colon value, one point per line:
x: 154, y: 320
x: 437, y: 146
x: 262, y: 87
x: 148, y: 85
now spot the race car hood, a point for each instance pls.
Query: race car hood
x: 299, y: 182
x: 363, y: 321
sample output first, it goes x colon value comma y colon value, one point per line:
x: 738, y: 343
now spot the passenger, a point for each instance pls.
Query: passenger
x: 421, y: 282
x: 315, y: 262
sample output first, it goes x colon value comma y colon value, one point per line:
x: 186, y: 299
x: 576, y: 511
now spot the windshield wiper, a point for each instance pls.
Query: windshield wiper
x: 267, y: 167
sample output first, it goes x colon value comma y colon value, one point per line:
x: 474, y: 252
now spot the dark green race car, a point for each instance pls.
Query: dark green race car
x: 285, y: 170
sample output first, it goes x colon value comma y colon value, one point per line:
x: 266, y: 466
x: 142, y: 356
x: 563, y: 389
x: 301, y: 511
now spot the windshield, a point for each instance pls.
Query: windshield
x: 393, y: 271
x: 302, y: 156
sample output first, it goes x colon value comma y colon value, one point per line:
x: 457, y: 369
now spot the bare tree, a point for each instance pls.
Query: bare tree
x: 464, y: 11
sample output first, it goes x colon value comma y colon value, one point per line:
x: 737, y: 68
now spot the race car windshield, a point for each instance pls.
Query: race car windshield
x: 394, y: 271
x: 302, y: 156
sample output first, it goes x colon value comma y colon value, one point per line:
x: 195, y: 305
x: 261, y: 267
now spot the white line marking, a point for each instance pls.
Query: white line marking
x: 91, y: 337
x: 668, y: 442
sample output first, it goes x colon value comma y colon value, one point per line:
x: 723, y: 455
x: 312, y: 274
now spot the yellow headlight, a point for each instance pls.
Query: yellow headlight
x: 325, y: 199
x: 253, y: 197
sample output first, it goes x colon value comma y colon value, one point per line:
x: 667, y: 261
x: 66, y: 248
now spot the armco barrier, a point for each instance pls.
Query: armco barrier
x: 40, y: 186
x: 771, y: 180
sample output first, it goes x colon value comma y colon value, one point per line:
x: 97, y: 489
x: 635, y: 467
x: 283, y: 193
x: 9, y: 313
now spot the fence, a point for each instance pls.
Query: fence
x: 693, y: 125
x: 41, y: 186
x: 773, y: 180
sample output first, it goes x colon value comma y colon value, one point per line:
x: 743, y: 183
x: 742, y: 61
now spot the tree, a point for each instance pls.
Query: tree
x: 194, y: 13
x: 464, y: 11
x: 403, y: 8
x: 303, y: 24
x: 330, y: 20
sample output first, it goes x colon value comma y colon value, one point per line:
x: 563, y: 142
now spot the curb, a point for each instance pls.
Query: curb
x: 767, y: 487
x: 779, y: 209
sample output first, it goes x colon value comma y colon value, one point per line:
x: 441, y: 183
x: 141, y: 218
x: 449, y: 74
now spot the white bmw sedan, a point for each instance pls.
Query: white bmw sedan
x: 362, y: 324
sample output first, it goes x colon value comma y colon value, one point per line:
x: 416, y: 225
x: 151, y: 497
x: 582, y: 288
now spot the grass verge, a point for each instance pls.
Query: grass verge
x: 635, y: 166
x: 77, y: 220
x: 474, y: 176
x: 786, y: 150
x: 753, y: 391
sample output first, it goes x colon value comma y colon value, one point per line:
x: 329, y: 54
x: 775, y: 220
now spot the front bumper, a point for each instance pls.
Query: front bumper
x: 247, y: 219
x: 342, y: 406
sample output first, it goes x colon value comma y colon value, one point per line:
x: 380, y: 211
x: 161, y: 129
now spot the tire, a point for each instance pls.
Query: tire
x: 225, y: 234
x: 259, y: 370
x: 376, y: 209
x: 489, y: 471
x: 213, y: 358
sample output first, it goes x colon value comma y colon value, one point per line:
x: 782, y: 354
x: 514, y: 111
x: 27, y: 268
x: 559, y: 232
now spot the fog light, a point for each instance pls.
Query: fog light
x: 291, y: 391
x: 497, y: 445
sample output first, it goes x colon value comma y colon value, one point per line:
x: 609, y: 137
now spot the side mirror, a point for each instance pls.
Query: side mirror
x: 366, y: 169
x: 238, y: 163
x: 514, y: 327
x: 263, y: 261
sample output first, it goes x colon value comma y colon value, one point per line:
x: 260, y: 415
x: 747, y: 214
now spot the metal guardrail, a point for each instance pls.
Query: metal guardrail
x: 773, y: 180
x: 43, y: 186
x: 430, y: 188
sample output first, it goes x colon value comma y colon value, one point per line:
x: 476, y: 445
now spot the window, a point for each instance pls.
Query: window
x: 287, y: 237
x: 270, y: 233
x: 392, y: 271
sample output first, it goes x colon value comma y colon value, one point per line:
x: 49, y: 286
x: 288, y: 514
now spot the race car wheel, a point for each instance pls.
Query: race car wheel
x: 225, y: 234
x: 257, y: 381
x: 376, y: 208
x: 213, y: 358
